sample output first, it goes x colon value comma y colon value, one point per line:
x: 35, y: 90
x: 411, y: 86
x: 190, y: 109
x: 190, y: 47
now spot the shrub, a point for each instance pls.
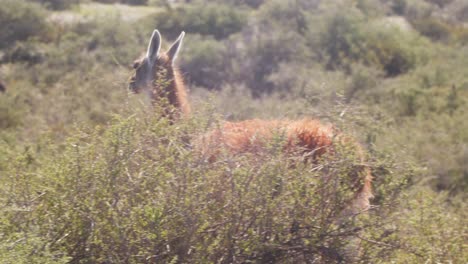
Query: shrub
x: 252, y: 3
x: 129, y: 2
x: 135, y: 2
x: 133, y: 189
x: 410, y: 100
x: 425, y: 229
x: 434, y: 29
x: 111, y: 39
x: 286, y: 14
x: 262, y: 57
x: 107, y: 1
x: 204, y: 62
x: 10, y: 114
x: 399, y: 6
x: 372, y: 8
x: 57, y: 4
x: 20, y: 20
x: 217, y: 20
x: 350, y: 38
x: 462, y: 14
x: 440, y: 3
x: 135, y: 192
x: 22, y: 52
x: 416, y: 9
x: 363, y: 79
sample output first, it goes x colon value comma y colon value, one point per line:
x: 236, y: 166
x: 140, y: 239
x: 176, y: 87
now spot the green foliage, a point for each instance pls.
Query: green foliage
x: 373, y: 8
x: 416, y: 9
x: 252, y: 3
x: 20, y: 20
x: 10, y: 117
x: 434, y: 29
x: 22, y: 52
x: 135, y: 2
x: 217, y: 20
x: 136, y: 191
x: 71, y: 81
x: 57, y: 4
x: 256, y: 54
x: 440, y: 30
x: 128, y: 2
x: 399, y: 6
x: 462, y: 14
x: 350, y: 38
x: 265, y: 56
x: 440, y: 3
x: 87, y: 175
x: 290, y: 15
x: 424, y: 229
x: 25, y: 248
x: 204, y: 62
x: 363, y: 80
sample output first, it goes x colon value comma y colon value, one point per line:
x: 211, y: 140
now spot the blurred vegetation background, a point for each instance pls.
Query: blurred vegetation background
x: 392, y: 73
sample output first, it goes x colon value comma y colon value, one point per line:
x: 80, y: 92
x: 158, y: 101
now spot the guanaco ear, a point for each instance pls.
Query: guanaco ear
x: 154, y: 46
x: 174, y: 49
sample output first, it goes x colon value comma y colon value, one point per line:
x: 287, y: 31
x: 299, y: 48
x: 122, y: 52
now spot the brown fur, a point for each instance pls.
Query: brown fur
x: 307, y: 136
x: 251, y: 135
x: 155, y: 75
x: 174, y: 90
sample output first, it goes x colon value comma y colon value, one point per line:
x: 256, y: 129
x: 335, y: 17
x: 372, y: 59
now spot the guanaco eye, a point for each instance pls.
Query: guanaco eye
x: 136, y: 64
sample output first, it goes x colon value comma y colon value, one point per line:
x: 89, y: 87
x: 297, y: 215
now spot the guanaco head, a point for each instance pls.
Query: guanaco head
x: 149, y: 68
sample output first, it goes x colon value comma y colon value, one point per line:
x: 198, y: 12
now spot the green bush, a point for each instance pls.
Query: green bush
x: 86, y: 176
x: 423, y: 229
x: 129, y: 2
x: 416, y: 9
x: 434, y: 29
x: 204, y: 62
x: 363, y: 80
x: 349, y: 38
x: 10, y: 114
x: 399, y: 6
x: 22, y: 52
x: 20, y: 20
x: 252, y: 3
x: 440, y: 3
x: 57, y: 4
x: 217, y: 20
x: 264, y: 56
x: 373, y: 8
x: 135, y: 2
x: 107, y: 1
x: 136, y: 192
x: 289, y: 15
x: 462, y: 14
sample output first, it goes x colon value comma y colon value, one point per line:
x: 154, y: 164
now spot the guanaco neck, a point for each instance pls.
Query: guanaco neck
x: 173, y: 89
